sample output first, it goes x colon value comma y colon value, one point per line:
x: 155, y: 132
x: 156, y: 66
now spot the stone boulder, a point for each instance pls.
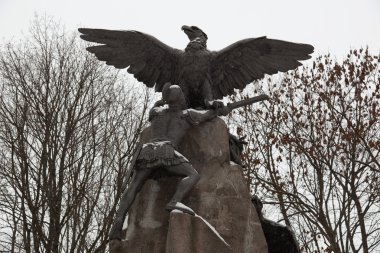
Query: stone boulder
x: 226, y: 220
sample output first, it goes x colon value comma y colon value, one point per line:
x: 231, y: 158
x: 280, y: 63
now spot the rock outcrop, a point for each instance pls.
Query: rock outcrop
x: 228, y: 221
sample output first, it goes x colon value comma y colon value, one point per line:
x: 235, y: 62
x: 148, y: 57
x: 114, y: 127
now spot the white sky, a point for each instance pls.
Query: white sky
x: 332, y: 26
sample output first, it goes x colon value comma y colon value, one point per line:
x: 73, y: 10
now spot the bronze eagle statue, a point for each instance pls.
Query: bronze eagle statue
x: 203, y: 75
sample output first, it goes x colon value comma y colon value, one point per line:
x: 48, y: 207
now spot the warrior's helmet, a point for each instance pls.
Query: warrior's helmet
x: 172, y: 94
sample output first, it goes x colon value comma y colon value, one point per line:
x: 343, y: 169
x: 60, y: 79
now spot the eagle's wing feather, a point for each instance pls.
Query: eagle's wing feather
x: 247, y: 60
x: 149, y: 60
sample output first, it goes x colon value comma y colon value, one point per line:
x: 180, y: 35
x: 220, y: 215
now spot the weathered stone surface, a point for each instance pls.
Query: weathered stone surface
x: 221, y: 197
x: 189, y: 234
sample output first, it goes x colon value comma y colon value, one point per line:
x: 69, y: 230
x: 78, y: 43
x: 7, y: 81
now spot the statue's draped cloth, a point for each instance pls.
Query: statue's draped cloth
x: 159, y: 154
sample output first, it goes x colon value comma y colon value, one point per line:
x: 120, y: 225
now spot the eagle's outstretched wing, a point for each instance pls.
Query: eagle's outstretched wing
x: 247, y: 60
x: 150, y: 60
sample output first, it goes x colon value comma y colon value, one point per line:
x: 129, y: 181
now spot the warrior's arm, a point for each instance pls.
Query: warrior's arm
x: 153, y: 110
x: 221, y: 109
x: 196, y: 117
x: 201, y: 116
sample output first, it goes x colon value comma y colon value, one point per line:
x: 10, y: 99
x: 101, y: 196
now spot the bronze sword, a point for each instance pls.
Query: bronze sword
x: 247, y: 101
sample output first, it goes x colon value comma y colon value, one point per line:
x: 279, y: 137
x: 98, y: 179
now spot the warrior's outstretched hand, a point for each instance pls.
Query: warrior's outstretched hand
x: 223, y: 110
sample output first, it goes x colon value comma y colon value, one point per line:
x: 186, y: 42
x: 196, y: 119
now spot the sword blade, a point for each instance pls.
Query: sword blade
x: 247, y: 101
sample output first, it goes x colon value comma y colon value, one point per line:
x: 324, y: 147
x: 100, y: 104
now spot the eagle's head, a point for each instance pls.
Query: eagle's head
x: 194, y: 32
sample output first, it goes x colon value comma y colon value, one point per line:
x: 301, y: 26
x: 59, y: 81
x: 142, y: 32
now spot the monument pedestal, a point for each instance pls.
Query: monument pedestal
x: 189, y: 234
x: 228, y: 221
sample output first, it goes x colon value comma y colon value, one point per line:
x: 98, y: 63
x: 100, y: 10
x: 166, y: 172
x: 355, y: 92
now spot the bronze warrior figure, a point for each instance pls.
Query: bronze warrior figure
x: 169, y: 125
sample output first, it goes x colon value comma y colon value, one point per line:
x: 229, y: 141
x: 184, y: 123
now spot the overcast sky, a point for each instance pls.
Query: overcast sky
x: 332, y: 26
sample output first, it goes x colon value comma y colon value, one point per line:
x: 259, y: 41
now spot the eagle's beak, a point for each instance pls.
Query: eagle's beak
x: 185, y: 27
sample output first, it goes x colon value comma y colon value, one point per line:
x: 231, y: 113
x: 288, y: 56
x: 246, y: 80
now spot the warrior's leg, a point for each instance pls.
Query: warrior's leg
x: 126, y: 201
x: 184, y: 186
x: 185, y: 91
x: 206, y: 93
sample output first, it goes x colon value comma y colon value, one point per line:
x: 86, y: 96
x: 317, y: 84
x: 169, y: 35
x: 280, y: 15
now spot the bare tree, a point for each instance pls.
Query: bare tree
x: 68, y: 128
x: 315, y: 149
